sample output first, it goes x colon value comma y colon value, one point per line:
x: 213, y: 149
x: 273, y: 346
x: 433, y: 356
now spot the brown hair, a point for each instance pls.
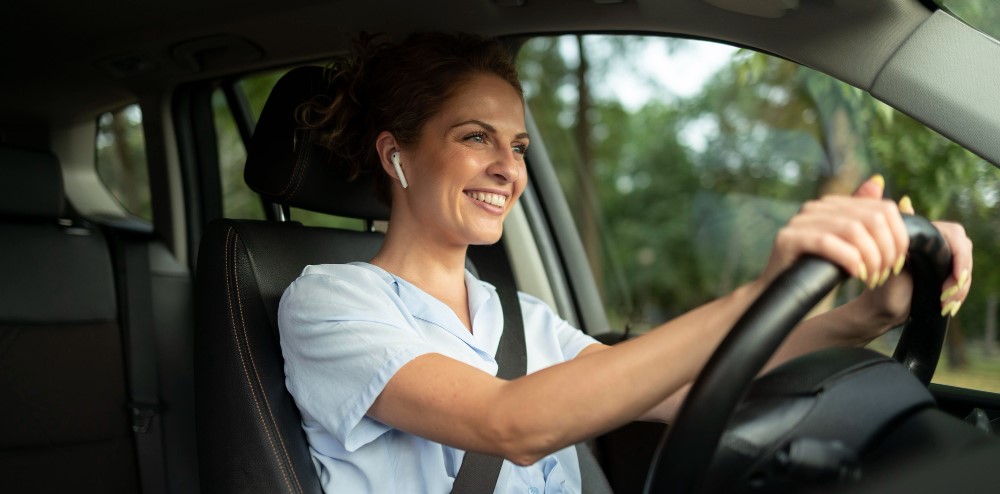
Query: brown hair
x: 397, y: 87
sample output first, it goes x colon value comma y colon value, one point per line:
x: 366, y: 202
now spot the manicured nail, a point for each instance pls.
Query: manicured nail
x: 873, y: 281
x: 906, y: 205
x: 945, y: 295
x: 954, y: 310
x: 862, y: 273
x: 949, y: 308
x: 963, y: 277
x: 879, y: 179
x: 898, y: 267
x: 884, y: 277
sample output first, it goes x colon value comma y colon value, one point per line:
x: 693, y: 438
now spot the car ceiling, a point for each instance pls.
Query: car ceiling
x: 66, y: 60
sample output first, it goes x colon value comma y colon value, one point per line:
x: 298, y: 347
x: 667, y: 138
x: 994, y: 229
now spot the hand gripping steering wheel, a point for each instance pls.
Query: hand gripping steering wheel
x: 685, y: 452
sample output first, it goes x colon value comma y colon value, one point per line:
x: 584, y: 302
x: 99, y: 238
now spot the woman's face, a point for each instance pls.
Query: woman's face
x: 467, y: 169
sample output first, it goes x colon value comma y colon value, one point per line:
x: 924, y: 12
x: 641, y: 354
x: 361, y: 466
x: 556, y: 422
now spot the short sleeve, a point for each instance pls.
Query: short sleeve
x: 538, y: 314
x: 343, y: 338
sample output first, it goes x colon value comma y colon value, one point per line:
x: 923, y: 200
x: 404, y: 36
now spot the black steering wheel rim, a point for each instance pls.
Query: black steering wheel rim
x: 685, y: 452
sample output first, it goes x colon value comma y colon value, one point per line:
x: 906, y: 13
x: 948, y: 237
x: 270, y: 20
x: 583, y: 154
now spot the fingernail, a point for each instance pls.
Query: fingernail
x: 954, y: 310
x: 873, y: 281
x: 945, y: 295
x: 862, y: 273
x: 962, y: 278
x: 879, y: 179
x: 949, y: 307
x: 898, y: 267
x: 884, y: 277
x: 906, y: 205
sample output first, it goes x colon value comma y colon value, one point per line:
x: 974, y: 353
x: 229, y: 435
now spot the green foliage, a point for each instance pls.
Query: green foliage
x: 685, y: 219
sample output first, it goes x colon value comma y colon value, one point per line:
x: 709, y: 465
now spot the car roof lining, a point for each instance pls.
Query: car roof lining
x: 837, y: 37
x: 958, y: 99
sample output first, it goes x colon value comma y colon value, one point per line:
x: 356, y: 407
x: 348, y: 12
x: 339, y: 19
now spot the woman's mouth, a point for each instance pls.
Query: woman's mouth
x: 489, y: 198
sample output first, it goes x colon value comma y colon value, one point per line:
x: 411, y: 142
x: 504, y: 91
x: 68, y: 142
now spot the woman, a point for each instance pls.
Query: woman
x: 391, y: 361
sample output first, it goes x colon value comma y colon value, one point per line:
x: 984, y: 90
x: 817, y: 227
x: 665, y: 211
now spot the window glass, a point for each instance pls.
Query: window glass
x: 238, y: 201
x: 681, y: 159
x: 980, y: 14
x: 121, y: 159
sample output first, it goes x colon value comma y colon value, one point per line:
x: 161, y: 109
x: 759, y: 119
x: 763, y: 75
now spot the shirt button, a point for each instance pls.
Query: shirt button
x: 533, y: 490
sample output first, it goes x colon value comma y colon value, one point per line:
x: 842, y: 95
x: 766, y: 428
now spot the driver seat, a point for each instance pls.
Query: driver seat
x: 250, y: 438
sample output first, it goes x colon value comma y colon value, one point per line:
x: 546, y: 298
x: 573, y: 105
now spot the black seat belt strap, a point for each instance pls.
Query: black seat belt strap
x: 479, y: 472
x: 135, y: 300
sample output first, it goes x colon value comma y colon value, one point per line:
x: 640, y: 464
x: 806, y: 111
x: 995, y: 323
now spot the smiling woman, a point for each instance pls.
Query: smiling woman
x: 411, y: 335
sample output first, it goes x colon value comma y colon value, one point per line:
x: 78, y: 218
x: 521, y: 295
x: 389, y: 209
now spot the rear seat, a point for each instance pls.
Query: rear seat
x: 65, y: 419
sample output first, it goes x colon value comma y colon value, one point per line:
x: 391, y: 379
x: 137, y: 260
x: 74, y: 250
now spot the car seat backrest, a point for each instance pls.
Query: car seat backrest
x: 250, y: 436
x: 63, y: 422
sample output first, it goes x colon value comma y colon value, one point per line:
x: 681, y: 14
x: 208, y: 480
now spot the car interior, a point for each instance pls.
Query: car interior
x: 138, y: 328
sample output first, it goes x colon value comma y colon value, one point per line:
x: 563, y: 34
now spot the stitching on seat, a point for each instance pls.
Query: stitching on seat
x: 232, y: 317
x: 296, y: 175
x: 253, y: 365
x: 305, y: 164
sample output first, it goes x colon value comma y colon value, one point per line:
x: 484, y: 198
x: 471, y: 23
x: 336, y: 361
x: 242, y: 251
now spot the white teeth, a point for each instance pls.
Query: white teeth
x: 489, y: 198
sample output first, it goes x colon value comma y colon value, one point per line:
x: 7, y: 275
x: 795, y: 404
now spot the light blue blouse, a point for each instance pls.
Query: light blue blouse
x: 347, y: 328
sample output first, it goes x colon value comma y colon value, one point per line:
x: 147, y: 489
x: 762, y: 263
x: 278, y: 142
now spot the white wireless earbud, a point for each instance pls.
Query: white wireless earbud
x: 399, y: 169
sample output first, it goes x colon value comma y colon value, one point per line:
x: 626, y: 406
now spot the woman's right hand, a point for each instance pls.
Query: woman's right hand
x: 864, y: 234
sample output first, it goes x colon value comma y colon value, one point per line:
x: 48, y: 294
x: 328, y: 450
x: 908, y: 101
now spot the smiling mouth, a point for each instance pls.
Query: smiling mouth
x: 489, y: 198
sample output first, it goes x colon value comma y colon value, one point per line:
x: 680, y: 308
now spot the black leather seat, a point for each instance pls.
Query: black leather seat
x: 250, y: 438
x: 250, y: 435
x: 63, y: 421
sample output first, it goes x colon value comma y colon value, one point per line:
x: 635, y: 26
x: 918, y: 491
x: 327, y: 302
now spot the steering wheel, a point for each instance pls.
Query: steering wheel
x: 683, y: 457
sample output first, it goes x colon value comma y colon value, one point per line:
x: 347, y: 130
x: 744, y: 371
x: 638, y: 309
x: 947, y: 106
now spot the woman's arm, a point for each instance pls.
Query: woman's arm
x: 525, y: 419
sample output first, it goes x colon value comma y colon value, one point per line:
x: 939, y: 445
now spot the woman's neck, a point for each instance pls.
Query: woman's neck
x: 435, y: 269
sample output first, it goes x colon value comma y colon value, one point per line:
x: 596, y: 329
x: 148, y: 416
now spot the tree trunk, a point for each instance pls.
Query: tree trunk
x: 957, y: 358
x: 990, y: 326
x: 587, y: 207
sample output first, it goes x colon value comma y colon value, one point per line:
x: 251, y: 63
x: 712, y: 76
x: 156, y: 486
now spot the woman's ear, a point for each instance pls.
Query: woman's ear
x: 385, y: 146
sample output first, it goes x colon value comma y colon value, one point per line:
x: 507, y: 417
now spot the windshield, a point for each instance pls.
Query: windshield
x: 983, y: 15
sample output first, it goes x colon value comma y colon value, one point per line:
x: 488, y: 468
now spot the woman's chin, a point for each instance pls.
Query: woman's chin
x: 487, y: 238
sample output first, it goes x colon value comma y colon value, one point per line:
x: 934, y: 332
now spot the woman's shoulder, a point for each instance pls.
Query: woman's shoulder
x: 359, y: 273
x: 341, y: 292
x: 349, y: 281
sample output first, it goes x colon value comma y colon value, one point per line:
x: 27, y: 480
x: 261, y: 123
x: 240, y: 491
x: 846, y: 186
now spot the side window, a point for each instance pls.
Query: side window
x: 681, y: 159
x: 238, y: 201
x: 121, y: 159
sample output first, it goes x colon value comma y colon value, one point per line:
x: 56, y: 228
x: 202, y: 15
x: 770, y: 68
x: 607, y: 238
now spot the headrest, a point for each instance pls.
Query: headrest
x: 30, y: 184
x: 286, y: 166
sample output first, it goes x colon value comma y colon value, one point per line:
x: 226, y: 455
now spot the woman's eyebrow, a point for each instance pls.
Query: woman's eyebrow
x: 489, y: 128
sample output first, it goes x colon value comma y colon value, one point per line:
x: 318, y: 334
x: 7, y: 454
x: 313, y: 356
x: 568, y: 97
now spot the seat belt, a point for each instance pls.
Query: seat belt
x: 135, y: 306
x: 479, y: 472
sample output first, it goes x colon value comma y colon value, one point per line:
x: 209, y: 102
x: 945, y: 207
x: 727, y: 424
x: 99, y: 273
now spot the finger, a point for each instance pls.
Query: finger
x: 882, y: 224
x: 906, y: 205
x: 956, y: 288
x: 886, y: 226
x: 900, y: 237
x: 873, y: 188
x: 823, y: 243
x: 821, y: 218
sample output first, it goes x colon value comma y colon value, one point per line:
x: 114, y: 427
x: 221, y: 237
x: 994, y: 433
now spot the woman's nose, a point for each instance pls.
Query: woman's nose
x: 507, y: 166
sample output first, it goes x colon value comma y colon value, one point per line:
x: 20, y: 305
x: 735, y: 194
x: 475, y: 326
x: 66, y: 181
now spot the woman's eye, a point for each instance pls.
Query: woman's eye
x: 477, y: 137
x: 520, y: 148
